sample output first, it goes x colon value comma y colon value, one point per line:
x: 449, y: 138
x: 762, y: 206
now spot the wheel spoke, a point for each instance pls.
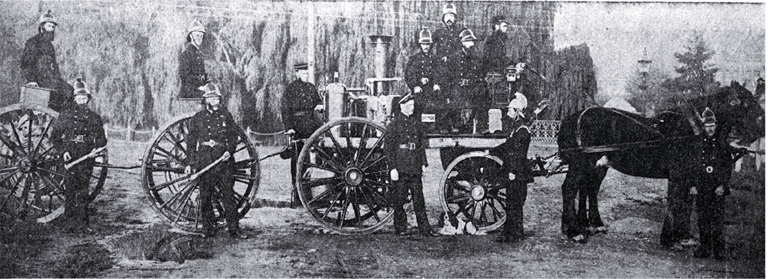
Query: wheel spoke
x: 336, y: 144
x: 168, y: 153
x: 362, y: 145
x: 349, y: 142
x: 458, y: 199
x: 328, y: 158
x: 18, y: 139
x: 188, y: 187
x: 380, y: 159
x: 311, y: 165
x: 328, y: 210
x: 320, y: 181
x: 322, y: 195
x: 176, y: 141
x: 343, y: 212
x: 43, y: 136
x: 356, y: 209
x: 378, y: 142
x: 372, y: 210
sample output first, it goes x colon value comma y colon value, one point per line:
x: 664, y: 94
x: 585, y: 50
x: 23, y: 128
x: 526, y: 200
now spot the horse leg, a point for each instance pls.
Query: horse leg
x: 592, y: 189
x: 569, y: 224
x: 581, y: 214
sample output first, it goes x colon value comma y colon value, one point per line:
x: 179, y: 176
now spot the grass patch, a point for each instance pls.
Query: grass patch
x: 83, y: 260
x: 20, y: 244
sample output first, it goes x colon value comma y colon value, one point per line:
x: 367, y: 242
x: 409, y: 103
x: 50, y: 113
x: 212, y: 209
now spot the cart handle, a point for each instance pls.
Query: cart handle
x: 93, y: 153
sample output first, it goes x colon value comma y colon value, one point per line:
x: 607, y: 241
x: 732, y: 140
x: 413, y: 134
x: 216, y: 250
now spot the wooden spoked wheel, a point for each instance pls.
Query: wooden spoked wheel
x: 342, y: 176
x: 472, y: 190
x: 176, y: 199
x: 31, y: 173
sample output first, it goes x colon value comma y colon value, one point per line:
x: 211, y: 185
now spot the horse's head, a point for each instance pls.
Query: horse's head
x: 736, y: 108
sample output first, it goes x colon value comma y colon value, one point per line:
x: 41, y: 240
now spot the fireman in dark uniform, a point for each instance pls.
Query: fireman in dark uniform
x: 469, y: 96
x: 76, y: 133
x: 516, y: 170
x: 712, y: 173
x: 423, y: 78
x: 212, y: 135
x: 504, y: 92
x: 495, y: 46
x: 39, y: 66
x: 447, y: 40
x: 191, y: 66
x: 404, y: 147
x: 300, y: 101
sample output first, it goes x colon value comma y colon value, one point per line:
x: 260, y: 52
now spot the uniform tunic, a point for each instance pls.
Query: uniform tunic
x: 713, y: 170
x: 424, y: 65
x: 495, y: 52
x: 192, y: 72
x: 469, y: 88
x: 78, y: 130
x: 446, y: 41
x: 514, y: 154
x: 299, y: 101
x: 404, y: 147
x: 211, y: 133
x: 38, y: 64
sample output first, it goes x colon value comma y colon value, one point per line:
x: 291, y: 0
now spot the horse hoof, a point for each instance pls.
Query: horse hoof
x: 579, y: 239
x: 601, y: 229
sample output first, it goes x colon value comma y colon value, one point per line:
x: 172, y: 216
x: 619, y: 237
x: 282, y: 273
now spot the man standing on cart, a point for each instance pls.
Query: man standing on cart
x: 421, y: 76
x: 469, y: 96
x: 191, y: 66
x: 405, y: 148
x: 495, y: 46
x: 300, y: 101
x: 516, y: 172
x: 213, y: 137
x: 447, y: 40
x: 39, y: 66
x: 504, y: 92
x: 78, y: 132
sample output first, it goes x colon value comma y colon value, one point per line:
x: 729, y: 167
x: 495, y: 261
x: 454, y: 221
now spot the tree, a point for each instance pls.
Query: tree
x: 696, y: 76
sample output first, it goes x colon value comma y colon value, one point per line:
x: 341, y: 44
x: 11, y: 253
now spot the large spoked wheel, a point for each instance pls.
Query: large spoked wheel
x: 177, y: 199
x: 472, y: 189
x: 31, y: 174
x: 342, y: 176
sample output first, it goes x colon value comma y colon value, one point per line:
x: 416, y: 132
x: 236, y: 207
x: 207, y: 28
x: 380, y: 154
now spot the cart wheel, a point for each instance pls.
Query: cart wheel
x: 176, y: 199
x: 31, y: 177
x: 342, y: 176
x: 471, y: 190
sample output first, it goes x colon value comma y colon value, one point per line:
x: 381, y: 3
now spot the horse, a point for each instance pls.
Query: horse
x: 591, y: 140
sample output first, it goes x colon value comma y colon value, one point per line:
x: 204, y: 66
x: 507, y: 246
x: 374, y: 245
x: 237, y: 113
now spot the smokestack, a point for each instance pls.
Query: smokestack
x: 381, y: 56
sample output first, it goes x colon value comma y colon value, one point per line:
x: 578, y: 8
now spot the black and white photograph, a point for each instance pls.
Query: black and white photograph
x: 373, y: 139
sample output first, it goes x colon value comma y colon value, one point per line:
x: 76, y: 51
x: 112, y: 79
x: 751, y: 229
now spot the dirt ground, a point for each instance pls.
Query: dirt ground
x: 286, y: 242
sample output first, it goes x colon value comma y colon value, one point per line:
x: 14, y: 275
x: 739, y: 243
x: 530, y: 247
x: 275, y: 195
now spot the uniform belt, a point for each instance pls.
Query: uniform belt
x: 209, y: 143
x: 409, y: 146
x: 301, y: 113
x: 78, y: 139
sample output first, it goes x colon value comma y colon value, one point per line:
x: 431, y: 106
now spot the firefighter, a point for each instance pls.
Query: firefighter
x: 76, y: 133
x: 504, y: 91
x: 712, y: 173
x: 191, y: 67
x: 405, y: 147
x: 300, y: 101
x: 495, y: 46
x: 423, y: 78
x: 469, y: 96
x: 212, y: 135
x: 39, y: 66
x: 447, y: 40
x: 516, y: 170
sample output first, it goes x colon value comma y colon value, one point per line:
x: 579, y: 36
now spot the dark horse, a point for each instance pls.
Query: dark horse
x: 658, y: 147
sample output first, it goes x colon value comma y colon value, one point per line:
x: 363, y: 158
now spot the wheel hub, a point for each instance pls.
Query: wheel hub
x: 25, y: 165
x: 353, y: 176
x: 477, y: 192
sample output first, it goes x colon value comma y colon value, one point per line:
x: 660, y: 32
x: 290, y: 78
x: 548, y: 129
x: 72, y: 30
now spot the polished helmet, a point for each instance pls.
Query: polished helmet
x: 520, y: 102
x: 81, y: 88
x: 449, y: 9
x: 196, y: 27
x: 48, y: 17
x: 708, y: 117
x: 498, y: 20
x: 210, y: 90
x: 425, y: 37
x: 467, y: 35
